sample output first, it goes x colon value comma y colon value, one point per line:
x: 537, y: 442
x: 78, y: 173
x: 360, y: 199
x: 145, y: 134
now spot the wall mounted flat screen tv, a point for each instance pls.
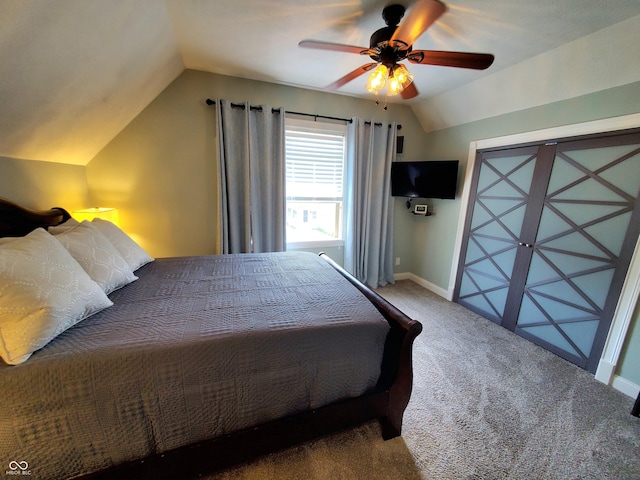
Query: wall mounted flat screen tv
x: 425, y: 179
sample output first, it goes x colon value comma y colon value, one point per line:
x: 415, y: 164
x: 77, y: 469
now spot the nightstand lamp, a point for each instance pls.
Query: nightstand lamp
x: 110, y: 214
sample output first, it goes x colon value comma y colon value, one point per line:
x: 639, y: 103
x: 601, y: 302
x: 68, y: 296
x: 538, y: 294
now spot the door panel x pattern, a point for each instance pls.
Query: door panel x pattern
x: 500, y: 203
x: 584, y: 220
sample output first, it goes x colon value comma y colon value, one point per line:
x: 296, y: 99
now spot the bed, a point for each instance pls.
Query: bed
x: 200, y: 363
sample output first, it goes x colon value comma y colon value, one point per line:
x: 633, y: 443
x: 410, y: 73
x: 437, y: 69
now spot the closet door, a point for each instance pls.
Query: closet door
x: 549, y: 237
x: 502, y: 195
x: 585, y: 238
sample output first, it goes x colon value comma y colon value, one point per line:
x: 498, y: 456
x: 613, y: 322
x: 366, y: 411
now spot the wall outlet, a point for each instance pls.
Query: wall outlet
x: 397, y: 261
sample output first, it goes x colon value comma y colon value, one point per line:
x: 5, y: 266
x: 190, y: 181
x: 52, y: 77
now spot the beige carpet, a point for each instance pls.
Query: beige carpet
x: 486, y: 404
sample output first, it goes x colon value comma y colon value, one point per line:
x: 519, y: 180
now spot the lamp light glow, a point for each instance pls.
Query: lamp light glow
x: 110, y: 214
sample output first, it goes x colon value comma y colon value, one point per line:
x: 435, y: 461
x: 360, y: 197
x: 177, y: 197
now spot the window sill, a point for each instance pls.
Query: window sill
x: 316, y: 244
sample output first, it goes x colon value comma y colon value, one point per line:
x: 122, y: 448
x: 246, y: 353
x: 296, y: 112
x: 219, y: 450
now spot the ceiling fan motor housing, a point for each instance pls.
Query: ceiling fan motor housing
x: 379, y: 41
x: 392, y: 14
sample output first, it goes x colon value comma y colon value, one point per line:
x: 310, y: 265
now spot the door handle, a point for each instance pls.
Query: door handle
x: 528, y: 245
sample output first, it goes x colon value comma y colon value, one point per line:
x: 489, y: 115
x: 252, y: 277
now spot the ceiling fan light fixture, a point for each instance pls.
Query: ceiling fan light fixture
x: 403, y: 76
x: 394, y: 88
x: 377, y: 78
x: 399, y: 79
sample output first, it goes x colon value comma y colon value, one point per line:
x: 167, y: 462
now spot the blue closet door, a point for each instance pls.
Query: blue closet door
x: 502, y: 190
x: 546, y: 251
x: 585, y: 237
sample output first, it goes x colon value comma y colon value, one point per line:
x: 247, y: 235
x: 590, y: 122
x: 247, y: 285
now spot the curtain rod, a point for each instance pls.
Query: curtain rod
x: 315, y: 116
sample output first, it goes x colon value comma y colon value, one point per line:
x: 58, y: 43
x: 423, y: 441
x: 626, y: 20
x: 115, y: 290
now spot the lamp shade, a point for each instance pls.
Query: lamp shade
x: 110, y: 214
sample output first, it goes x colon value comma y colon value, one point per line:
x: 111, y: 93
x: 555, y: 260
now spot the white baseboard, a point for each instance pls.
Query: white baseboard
x: 424, y: 283
x: 605, y: 372
x: 625, y: 386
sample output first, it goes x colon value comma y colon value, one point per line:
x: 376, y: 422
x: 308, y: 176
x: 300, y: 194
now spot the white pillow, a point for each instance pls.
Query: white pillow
x: 70, y: 223
x: 99, y: 258
x: 5, y: 240
x: 128, y: 248
x: 43, y: 292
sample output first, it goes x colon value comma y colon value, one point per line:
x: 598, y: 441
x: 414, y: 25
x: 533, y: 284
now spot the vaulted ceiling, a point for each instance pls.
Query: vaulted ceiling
x: 74, y: 73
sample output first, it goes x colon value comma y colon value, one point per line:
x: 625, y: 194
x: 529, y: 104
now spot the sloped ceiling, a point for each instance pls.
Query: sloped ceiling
x: 74, y: 73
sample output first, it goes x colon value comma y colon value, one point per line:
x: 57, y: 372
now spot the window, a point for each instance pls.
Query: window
x: 315, y: 162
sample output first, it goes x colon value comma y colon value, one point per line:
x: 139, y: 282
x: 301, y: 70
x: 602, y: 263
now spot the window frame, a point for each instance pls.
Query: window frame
x: 327, y: 127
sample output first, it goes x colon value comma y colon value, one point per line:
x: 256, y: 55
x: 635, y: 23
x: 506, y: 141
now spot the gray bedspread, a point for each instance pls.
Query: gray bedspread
x: 196, y: 348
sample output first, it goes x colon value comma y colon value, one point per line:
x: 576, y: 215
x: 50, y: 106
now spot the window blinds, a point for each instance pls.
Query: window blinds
x: 314, y: 164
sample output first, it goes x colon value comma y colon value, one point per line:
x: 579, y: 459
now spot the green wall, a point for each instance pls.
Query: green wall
x: 42, y: 185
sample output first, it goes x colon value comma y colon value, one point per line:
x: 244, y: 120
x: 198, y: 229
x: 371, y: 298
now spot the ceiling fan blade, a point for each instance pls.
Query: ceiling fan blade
x: 409, y: 92
x: 336, y: 47
x: 350, y: 76
x: 420, y: 17
x: 476, y: 61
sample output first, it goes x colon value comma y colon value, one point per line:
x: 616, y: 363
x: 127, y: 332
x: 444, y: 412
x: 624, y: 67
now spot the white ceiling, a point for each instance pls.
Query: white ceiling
x: 73, y: 73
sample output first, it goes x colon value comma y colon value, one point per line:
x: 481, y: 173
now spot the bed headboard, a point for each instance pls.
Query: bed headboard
x: 17, y: 221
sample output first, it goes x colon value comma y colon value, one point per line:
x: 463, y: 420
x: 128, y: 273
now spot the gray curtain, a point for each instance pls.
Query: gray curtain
x: 251, y: 173
x: 369, y: 206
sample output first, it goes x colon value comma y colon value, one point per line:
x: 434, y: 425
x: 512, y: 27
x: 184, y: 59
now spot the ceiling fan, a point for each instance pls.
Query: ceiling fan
x: 390, y: 45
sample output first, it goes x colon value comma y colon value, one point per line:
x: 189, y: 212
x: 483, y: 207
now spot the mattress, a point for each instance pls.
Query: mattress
x: 196, y: 348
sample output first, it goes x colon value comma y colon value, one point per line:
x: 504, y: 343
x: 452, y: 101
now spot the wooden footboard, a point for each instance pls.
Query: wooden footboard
x: 397, y: 366
x: 387, y: 403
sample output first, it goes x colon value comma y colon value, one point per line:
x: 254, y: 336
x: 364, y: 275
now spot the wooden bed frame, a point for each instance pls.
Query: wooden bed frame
x: 387, y: 403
